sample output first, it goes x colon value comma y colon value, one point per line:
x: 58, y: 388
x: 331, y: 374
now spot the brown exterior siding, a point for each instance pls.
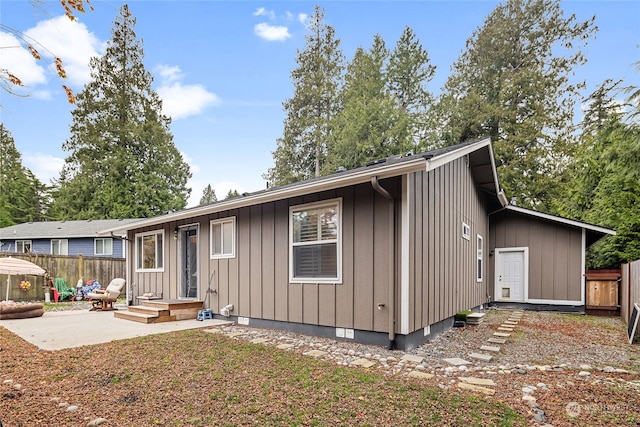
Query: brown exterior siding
x: 442, y: 267
x: 256, y: 280
x: 555, y: 254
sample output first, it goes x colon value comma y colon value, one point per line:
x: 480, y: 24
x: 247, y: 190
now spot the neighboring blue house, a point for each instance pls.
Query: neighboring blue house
x: 65, y: 238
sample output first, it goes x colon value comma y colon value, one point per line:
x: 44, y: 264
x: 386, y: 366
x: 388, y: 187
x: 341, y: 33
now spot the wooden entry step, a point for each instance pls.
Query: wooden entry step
x: 156, y: 311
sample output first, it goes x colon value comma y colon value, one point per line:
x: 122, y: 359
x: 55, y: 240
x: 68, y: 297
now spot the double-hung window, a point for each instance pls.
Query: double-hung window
x: 315, y: 242
x: 103, y: 246
x: 59, y: 247
x: 223, y: 238
x: 149, y: 251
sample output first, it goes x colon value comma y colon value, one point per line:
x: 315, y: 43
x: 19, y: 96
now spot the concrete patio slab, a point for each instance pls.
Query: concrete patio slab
x: 58, y: 330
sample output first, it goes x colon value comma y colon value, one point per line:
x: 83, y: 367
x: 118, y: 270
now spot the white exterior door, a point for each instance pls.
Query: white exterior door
x: 511, y: 274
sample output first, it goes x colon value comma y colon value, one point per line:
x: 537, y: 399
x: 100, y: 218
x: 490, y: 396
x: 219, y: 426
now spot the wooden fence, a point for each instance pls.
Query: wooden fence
x: 629, y: 289
x: 70, y: 268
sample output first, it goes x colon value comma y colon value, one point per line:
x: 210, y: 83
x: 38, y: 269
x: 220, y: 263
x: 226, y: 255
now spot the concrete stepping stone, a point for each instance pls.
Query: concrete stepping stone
x: 413, y: 358
x: 285, y: 346
x: 364, y: 363
x: 477, y: 381
x: 213, y: 331
x: 490, y: 348
x: 456, y: 361
x: 497, y: 340
x: 315, y: 353
x: 510, y: 322
x: 477, y: 388
x: 480, y: 356
x: 504, y: 328
x: 501, y: 334
x: 233, y: 334
x: 258, y: 341
x: 420, y: 375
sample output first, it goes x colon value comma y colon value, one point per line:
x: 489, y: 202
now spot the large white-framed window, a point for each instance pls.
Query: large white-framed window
x: 223, y: 238
x: 23, y: 246
x: 150, y: 251
x: 103, y: 246
x: 315, y: 242
x: 59, y: 247
x: 479, y: 257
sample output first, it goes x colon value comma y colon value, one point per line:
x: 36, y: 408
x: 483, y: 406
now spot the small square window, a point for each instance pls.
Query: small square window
x: 466, y: 231
x: 223, y: 238
x: 103, y: 246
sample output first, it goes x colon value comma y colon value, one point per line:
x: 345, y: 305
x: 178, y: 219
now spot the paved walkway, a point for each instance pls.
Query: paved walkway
x: 58, y: 330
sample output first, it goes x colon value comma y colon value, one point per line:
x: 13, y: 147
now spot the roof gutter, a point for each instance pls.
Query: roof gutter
x: 392, y: 261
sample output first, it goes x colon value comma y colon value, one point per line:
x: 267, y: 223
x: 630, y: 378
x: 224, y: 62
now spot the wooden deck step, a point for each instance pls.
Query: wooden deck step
x: 148, y: 310
x: 173, y: 304
x: 142, y: 317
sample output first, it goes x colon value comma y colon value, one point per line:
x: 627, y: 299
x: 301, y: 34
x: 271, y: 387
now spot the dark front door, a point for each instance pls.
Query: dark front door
x: 189, y: 263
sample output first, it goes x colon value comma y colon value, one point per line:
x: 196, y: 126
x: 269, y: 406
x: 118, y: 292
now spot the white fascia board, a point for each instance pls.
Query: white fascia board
x: 285, y: 192
x: 561, y: 220
x: 443, y: 159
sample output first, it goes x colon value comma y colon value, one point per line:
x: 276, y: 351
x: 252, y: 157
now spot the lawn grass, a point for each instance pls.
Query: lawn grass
x: 192, y: 378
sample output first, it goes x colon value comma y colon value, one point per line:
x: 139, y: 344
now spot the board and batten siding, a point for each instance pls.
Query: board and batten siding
x: 256, y: 280
x: 555, y: 254
x: 442, y: 264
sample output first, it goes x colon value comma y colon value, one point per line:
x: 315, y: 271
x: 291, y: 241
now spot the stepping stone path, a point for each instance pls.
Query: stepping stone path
x: 499, y: 337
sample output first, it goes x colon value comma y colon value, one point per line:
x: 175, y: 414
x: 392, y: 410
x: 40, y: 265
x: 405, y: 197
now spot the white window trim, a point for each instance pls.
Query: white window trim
x: 329, y: 202
x: 150, y: 233
x: 479, y: 258
x: 95, y: 243
x: 232, y: 220
x: 61, y: 241
x: 23, y: 242
x: 466, y: 231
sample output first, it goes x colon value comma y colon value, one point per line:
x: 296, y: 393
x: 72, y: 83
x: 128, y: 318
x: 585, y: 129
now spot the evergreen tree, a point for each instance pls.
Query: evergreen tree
x: 123, y: 163
x: 21, y: 193
x: 512, y: 84
x: 231, y: 194
x: 208, y: 195
x: 365, y: 128
x: 301, y: 151
x: 408, y: 73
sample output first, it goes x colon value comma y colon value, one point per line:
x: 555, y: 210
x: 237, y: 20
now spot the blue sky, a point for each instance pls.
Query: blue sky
x: 223, y: 68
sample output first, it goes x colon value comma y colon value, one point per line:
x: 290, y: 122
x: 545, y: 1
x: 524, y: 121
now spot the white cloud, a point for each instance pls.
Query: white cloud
x: 271, y: 32
x: 19, y: 62
x: 169, y: 73
x: 302, y: 18
x: 44, y: 166
x: 69, y: 40
x: 180, y: 101
x: 261, y: 11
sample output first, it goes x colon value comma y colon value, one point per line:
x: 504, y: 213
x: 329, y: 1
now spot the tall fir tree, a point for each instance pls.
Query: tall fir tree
x: 365, y: 127
x: 408, y: 73
x: 208, y: 195
x: 22, y: 195
x: 123, y: 162
x: 513, y: 84
x: 301, y: 151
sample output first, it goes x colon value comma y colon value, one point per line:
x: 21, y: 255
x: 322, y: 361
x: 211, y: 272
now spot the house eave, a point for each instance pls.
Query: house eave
x: 571, y: 222
x: 313, y: 186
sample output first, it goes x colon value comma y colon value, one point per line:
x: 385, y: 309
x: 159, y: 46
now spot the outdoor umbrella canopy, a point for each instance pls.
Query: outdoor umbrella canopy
x: 11, y: 266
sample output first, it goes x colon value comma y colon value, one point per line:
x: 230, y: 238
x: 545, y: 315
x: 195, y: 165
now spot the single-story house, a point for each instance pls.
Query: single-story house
x: 384, y: 254
x: 65, y: 238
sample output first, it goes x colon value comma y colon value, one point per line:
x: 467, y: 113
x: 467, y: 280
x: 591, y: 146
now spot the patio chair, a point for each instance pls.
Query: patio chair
x: 103, y: 299
x: 61, y: 291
